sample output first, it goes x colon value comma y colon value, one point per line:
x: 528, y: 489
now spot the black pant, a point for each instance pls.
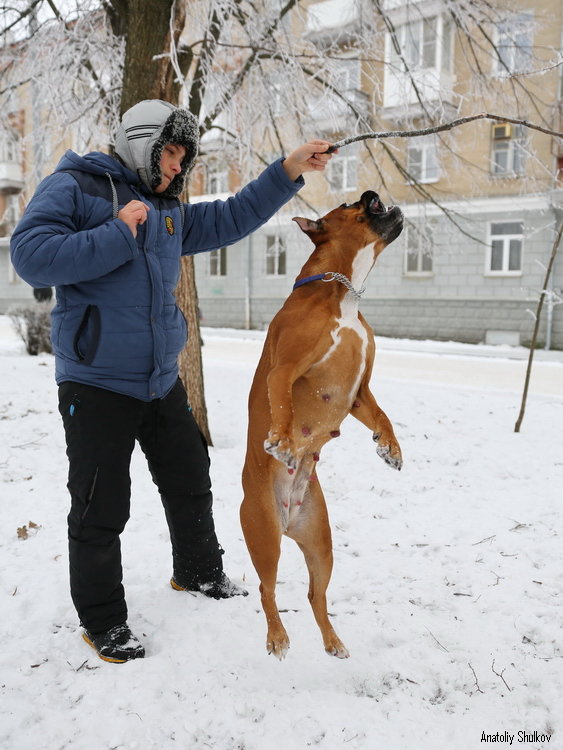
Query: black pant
x: 101, y: 428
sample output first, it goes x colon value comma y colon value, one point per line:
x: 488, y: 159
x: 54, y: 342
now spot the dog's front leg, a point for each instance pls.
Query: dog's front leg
x: 366, y: 409
x: 279, y: 442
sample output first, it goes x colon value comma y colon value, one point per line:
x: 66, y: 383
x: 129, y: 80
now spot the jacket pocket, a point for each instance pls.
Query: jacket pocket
x: 87, y: 336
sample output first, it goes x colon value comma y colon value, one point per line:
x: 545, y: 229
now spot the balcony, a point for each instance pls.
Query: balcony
x: 419, y: 74
x: 419, y: 93
x: 396, y: 5
x: 11, y: 177
x: 332, y: 19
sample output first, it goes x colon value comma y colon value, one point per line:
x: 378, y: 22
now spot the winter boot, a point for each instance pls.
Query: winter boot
x: 223, y: 588
x: 118, y: 644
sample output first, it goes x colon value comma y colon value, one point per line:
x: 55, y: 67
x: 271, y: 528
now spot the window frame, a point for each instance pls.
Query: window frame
x: 275, y: 250
x: 220, y: 175
x: 422, y: 235
x: 425, y: 144
x: 348, y: 164
x: 507, y: 238
x: 217, y: 264
x: 515, y: 149
x: 516, y: 26
x: 412, y: 37
x: 10, y: 147
x: 12, y: 213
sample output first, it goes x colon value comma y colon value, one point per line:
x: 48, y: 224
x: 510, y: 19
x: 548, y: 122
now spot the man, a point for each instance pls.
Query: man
x: 108, y: 234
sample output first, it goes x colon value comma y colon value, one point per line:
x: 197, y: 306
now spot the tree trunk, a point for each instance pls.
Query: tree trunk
x: 149, y: 75
x: 146, y: 36
x: 537, y: 327
x: 190, y: 361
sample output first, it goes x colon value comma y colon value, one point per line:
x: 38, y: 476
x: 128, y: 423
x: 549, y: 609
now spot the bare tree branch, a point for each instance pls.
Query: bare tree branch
x: 441, y: 128
x: 23, y: 14
x: 237, y: 83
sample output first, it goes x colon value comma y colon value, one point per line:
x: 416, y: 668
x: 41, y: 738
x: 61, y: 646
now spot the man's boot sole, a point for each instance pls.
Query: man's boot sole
x: 104, y: 658
x: 177, y: 587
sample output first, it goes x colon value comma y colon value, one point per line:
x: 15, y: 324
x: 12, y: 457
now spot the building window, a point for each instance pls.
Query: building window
x: 275, y: 256
x: 218, y: 262
x: 276, y: 99
x: 340, y: 95
x: 217, y: 180
x: 504, y: 255
x: 514, y: 44
x: 422, y: 159
x: 424, y: 44
x: 508, y: 150
x: 9, y: 148
x: 343, y: 172
x: 12, y: 210
x: 418, y: 252
x: 347, y: 75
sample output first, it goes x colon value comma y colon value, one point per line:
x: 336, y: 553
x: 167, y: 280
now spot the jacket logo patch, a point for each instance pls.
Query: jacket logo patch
x: 169, y: 224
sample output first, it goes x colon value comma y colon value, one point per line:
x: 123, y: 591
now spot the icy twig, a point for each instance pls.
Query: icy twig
x: 439, y: 129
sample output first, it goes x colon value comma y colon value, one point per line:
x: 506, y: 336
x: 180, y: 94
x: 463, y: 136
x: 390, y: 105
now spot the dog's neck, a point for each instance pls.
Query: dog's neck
x: 362, y: 265
x: 327, y: 258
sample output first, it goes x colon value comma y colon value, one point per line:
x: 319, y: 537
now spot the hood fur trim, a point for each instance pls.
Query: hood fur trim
x: 145, y: 130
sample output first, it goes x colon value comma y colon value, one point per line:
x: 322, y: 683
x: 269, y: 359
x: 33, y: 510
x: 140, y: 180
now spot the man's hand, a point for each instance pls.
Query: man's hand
x: 307, y: 158
x: 133, y: 214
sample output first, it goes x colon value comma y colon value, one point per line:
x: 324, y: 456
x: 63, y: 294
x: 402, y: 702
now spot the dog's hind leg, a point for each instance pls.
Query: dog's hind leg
x: 313, y: 536
x: 262, y: 533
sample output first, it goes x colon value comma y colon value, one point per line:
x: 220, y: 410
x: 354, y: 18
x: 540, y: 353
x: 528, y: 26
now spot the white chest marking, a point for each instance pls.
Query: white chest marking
x: 348, y: 319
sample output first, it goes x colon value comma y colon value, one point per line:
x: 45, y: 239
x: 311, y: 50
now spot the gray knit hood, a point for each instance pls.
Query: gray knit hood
x: 144, y: 131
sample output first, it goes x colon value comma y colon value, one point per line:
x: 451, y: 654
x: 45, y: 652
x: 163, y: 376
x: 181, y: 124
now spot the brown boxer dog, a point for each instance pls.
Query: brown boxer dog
x: 314, y: 370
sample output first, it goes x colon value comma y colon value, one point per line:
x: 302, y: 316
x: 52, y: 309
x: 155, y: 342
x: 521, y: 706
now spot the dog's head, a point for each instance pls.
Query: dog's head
x: 360, y: 223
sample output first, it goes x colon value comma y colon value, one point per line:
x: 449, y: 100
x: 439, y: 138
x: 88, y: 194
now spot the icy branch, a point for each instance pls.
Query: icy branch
x: 441, y: 128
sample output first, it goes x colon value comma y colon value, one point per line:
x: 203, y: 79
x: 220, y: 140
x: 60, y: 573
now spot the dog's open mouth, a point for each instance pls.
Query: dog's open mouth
x: 373, y: 204
x: 388, y: 222
x: 376, y: 206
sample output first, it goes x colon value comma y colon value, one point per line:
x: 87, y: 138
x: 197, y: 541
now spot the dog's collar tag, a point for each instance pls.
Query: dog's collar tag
x: 332, y: 276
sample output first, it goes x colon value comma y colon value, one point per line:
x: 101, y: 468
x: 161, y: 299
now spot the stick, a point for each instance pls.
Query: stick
x: 536, y: 329
x: 501, y: 675
x: 439, y: 129
x: 475, y: 676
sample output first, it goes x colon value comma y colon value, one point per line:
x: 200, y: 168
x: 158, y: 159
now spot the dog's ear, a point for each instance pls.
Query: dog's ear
x: 308, y: 226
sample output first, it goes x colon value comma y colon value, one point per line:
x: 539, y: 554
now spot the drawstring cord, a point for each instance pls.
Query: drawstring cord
x: 115, y: 202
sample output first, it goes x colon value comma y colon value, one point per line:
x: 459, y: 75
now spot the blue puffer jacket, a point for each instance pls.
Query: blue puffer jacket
x: 116, y: 324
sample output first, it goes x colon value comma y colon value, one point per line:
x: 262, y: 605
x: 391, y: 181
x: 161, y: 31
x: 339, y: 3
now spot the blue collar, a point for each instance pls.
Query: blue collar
x: 307, y: 279
x: 332, y: 276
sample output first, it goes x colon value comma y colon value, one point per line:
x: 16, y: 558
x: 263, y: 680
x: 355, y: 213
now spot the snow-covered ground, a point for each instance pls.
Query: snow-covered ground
x: 447, y: 587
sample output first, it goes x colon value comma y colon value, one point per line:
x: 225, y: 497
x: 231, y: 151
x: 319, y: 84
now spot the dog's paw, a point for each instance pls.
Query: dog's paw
x: 278, y: 647
x: 337, y: 648
x: 389, y: 452
x: 281, y: 449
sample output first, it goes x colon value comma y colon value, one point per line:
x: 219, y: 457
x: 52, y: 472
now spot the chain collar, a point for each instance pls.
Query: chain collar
x: 333, y: 276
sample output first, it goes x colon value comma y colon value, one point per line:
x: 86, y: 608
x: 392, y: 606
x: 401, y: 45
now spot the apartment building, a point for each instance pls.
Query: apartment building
x: 482, y: 201
x: 12, y: 288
